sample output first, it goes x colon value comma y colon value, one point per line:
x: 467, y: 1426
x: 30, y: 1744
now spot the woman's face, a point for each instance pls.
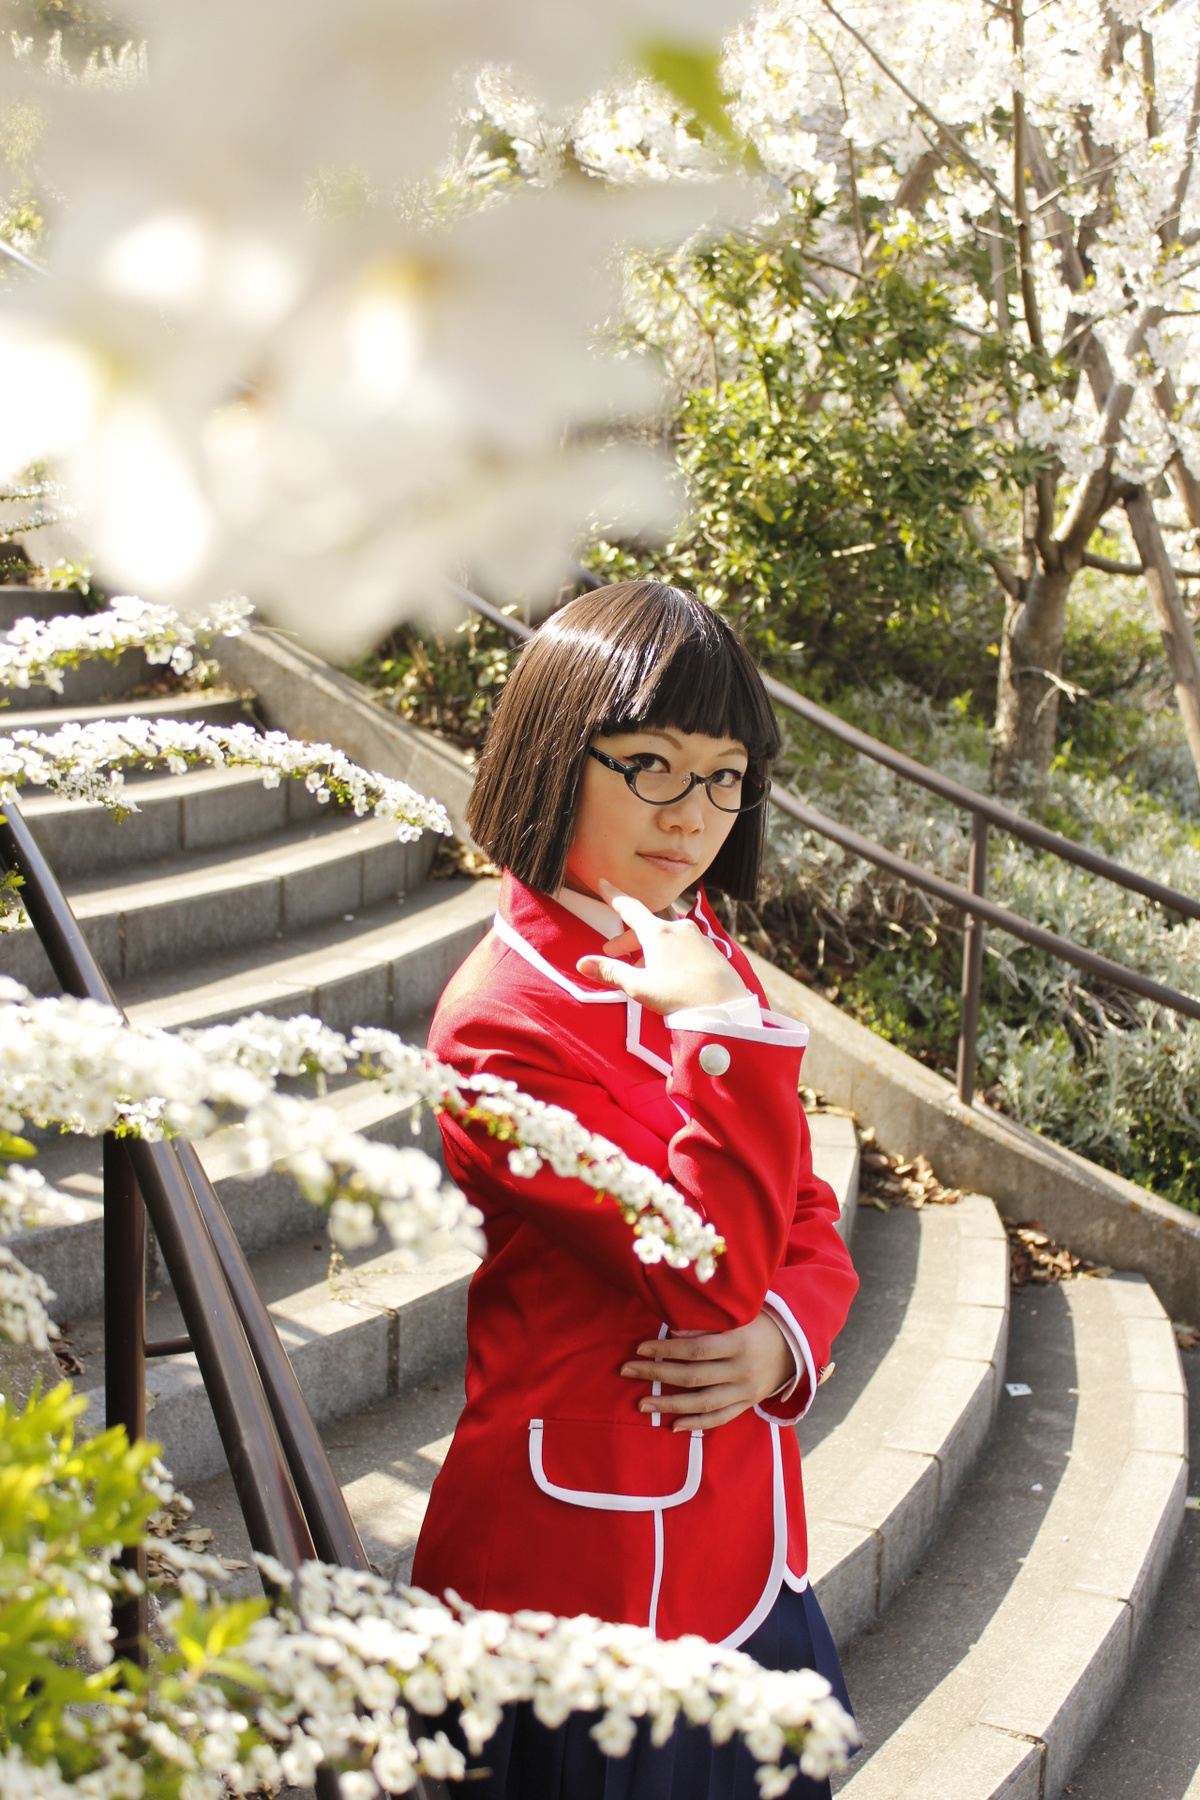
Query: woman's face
x: 655, y: 853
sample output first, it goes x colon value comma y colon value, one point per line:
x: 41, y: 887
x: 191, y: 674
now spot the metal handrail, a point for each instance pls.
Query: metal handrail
x: 289, y: 1496
x: 971, y: 901
x: 1002, y: 916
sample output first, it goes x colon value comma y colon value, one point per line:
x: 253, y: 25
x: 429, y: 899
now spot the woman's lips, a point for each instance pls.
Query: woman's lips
x: 663, y: 860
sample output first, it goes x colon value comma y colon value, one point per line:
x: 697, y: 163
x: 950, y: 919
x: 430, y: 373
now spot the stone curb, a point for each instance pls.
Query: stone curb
x: 876, y: 1498
x: 1016, y: 1715
x: 837, y: 1159
x: 1101, y: 1215
x: 299, y: 693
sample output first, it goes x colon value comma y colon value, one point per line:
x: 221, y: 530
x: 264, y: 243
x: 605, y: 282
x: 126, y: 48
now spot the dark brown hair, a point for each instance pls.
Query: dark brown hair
x: 626, y: 658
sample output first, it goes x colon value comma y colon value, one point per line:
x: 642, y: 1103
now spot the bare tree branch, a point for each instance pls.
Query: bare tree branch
x: 1149, y: 84
x: 1169, y: 231
x: 1110, y: 566
x: 943, y: 130
x: 1179, y: 639
x: 1033, y: 317
x: 1061, y: 233
x: 909, y: 197
x: 854, y: 197
x: 1005, y: 574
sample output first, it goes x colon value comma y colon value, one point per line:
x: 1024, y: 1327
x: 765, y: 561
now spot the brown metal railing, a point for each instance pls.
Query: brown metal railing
x: 286, y: 1488
x: 288, y: 1493
x: 972, y: 900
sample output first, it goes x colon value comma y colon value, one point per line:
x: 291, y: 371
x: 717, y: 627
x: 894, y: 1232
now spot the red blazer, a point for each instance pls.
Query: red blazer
x: 557, y: 1494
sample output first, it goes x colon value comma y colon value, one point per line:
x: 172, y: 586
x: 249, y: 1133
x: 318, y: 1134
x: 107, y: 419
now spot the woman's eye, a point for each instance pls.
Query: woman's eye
x: 729, y: 778
x: 647, y: 760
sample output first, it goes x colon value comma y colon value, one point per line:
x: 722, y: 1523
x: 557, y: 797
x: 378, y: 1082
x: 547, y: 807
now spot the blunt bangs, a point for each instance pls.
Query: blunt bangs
x: 626, y: 658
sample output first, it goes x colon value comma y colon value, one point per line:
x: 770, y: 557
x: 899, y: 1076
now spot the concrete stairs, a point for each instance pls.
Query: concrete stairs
x: 988, y: 1557
x: 994, y: 1667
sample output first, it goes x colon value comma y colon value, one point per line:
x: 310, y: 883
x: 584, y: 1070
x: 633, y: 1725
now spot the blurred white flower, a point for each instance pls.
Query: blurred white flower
x: 246, y: 393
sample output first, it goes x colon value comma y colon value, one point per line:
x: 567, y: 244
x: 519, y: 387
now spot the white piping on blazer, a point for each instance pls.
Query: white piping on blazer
x: 600, y: 1502
x: 651, y: 1503
x: 779, y: 1571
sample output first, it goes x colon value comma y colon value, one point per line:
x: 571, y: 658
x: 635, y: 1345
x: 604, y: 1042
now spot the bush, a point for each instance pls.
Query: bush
x: 1085, y: 1063
x: 448, y: 682
x: 836, y: 452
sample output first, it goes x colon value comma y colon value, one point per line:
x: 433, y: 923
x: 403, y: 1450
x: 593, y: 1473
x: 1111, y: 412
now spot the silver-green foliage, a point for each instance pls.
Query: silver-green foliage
x: 1080, y: 1060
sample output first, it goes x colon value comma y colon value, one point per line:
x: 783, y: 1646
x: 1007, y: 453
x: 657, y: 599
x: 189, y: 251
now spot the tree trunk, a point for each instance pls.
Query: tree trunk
x: 1179, y: 640
x: 1026, y: 697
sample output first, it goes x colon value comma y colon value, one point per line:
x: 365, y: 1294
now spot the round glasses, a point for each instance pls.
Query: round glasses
x: 729, y: 790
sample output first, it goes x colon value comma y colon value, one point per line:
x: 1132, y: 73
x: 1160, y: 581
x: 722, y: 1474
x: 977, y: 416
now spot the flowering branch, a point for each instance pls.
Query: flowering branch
x: 665, y: 1227
x: 388, y: 1656
x: 37, y: 650
x: 79, y: 1064
x: 81, y: 762
x: 342, y: 1674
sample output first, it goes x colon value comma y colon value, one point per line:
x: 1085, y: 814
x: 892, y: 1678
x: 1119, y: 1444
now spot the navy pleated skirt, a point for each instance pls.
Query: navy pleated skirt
x: 525, y: 1760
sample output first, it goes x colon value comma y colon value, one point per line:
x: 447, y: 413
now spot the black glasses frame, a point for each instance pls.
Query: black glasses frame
x: 631, y: 771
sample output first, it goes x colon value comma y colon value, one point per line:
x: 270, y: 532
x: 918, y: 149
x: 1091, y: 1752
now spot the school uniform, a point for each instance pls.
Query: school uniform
x: 558, y: 1494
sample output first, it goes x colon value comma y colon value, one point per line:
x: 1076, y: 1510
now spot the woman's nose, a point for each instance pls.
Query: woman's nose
x: 686, y: 814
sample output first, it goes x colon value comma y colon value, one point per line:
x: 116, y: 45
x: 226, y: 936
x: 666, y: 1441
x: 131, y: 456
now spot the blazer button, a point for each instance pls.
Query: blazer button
x: 714, y: 1059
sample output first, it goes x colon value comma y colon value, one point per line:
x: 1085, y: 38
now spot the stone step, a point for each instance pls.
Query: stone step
x: 370, y: 1330
x: 95, y: 679
x: 387, y: 968
x: 385, y: 1457
x: 206, y: 809
x: 920, y: 1367
x: 1150, y: 1743
x: 836, y: 1153
x: 67, y: 1249
x: 993, y: 1668
x: 37, y: 603
x: 219, y: 900
x: 387, y: 964
x: 210, y: 706
x: 387, y: 1453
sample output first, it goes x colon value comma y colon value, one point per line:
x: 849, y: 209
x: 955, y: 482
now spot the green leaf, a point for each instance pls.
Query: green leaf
x: 694, y: 77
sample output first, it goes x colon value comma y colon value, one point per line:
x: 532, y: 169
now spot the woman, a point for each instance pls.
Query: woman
x: 625, y: 1448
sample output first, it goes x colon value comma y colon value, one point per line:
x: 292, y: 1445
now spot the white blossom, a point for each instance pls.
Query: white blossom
x: 37, y: 650
x: 81, y: 1065
x: 83, y: 762
x: 24, y: 1300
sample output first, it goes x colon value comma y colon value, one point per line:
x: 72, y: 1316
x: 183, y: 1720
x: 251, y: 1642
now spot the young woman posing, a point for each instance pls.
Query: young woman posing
x: 625, y: 1449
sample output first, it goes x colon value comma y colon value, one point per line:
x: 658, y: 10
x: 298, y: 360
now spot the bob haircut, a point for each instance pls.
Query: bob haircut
x: 625, y: 658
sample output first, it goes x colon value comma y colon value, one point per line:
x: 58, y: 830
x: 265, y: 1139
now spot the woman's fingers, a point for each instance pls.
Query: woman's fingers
x: 683, y: 1375
x: 640, y: 920
x: 624, y: 944
x: 712, y: 1420
x: 700, y: 1405
x: 699, y: 1346
x: 609, y: 973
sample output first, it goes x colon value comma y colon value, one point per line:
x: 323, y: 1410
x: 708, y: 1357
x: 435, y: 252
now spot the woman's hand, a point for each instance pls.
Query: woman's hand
x: 716, y: 1375
x: 681, y: 967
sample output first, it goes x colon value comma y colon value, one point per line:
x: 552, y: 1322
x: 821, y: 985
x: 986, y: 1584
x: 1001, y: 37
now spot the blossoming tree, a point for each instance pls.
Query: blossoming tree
x: 1040, y: 172
x: 1045, y: 164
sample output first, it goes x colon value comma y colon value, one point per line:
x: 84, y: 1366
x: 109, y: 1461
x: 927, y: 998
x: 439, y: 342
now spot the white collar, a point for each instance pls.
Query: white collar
x: 595, y: 913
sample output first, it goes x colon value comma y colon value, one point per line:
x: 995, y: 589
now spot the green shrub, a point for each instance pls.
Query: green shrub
x: 1080, y: 1060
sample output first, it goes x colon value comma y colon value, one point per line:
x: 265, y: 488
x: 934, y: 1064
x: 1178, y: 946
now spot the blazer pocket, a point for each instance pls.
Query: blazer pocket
x: 614, y: 1468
